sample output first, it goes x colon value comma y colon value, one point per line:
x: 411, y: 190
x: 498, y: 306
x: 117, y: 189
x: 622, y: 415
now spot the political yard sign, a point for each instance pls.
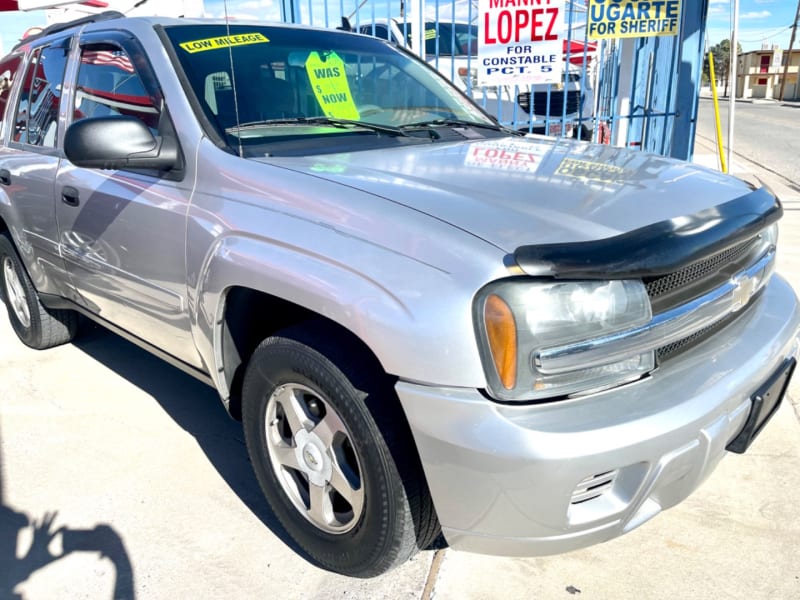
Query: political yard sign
x: 520, y: 42
x: 633, y: 18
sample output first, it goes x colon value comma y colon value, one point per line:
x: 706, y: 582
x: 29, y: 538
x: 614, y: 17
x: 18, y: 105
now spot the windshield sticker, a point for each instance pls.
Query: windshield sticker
x: 430, y: 34
x: 591, y: 170
x: 329, y: 81
x: 226, y: 41
x: 507, y: 156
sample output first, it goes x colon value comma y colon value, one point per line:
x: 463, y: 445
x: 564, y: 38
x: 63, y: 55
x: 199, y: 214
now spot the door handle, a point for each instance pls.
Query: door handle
x: 5, y: 177
x: 70, y: 196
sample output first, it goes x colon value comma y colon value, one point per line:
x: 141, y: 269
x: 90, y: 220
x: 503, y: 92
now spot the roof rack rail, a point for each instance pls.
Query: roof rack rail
x: 56, y: 27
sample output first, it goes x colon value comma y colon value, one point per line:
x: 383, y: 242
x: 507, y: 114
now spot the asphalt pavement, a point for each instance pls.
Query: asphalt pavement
x: 121, y: 477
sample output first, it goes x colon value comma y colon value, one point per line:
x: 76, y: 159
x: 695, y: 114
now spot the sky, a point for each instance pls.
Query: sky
x: 760, y: 21
x: 14, y: 24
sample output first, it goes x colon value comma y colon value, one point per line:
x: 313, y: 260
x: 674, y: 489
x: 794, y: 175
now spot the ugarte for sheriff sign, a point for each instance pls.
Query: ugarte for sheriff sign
x: 632, y: 18
x: 520, y: 42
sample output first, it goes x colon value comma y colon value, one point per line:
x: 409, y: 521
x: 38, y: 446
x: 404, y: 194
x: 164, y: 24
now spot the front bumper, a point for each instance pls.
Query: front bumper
x: 549, y: 478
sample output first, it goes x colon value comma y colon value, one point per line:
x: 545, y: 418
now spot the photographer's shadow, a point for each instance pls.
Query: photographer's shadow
x: 20, y: 560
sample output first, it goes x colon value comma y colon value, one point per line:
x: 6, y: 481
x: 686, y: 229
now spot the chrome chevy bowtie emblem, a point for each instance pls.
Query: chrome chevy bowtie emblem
x: 744, y: 289
x: 309, y: 454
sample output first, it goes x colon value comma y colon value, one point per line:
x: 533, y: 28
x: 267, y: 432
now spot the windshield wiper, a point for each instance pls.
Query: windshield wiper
x: 451, y: 123
x: 334, y: 122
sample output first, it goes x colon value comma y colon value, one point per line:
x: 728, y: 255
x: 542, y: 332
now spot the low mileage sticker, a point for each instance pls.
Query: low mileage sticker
x: 226, y: 41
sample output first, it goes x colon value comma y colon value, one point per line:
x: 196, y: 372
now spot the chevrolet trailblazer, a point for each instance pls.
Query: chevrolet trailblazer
x: 424, y: 321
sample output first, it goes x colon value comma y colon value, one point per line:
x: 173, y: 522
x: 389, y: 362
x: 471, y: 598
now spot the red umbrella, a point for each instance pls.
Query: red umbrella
x: 576, y: 48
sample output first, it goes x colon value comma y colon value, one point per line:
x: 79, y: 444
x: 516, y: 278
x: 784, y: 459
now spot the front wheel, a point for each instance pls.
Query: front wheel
x: 35, y: 325
x: 348, y: 489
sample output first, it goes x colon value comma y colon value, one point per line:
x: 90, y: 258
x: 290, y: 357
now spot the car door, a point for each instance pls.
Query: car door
x: 30, y: 160
x: 122, y: 233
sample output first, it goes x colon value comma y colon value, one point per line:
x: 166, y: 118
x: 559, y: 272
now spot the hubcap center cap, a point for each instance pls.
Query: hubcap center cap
x: 312, y: 457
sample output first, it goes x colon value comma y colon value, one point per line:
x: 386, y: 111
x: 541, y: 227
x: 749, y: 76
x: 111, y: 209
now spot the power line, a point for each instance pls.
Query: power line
x: 771, y: 35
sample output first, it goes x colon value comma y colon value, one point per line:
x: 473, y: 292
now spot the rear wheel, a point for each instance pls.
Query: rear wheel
x: 35, y: 325
x: 344, y: 481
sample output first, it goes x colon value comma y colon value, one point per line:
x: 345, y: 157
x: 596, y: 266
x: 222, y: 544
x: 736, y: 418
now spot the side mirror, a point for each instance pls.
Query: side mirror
x: 118, y: 142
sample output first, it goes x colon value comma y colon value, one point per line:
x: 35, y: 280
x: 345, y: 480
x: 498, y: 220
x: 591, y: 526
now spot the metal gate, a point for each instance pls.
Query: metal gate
x: 635, y: 92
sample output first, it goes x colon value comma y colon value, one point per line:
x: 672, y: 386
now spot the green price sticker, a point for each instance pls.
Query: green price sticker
x: 329, y: 81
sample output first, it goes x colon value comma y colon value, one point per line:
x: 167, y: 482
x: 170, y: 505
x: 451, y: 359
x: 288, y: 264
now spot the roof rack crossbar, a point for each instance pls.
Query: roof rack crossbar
x: 56, y: 27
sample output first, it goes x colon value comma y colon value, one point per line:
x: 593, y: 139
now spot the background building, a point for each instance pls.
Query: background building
x: 759, y: 74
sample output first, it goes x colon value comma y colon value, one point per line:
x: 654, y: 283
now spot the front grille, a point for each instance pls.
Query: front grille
x: 708, y: 267
x: 688, y: 342
x: 573, y: 100
x: 699, y: 278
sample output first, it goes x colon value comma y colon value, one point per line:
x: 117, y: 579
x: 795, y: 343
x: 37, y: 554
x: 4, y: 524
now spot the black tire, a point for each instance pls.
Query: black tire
x: 35, y: 325
x: 331, y: 380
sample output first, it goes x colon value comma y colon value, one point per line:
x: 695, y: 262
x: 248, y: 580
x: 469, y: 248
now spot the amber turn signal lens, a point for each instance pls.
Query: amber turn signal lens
x: 501, y: 329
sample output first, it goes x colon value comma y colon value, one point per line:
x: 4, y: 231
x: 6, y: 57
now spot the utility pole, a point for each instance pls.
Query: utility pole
x: 732, y: 70
x: 789, y: 56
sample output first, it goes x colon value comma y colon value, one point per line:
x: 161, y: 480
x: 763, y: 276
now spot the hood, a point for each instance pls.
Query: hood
x: 516, y: 191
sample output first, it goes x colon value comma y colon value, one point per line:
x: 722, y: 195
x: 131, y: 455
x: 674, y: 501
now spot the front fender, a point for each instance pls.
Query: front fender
x: 414, y: 317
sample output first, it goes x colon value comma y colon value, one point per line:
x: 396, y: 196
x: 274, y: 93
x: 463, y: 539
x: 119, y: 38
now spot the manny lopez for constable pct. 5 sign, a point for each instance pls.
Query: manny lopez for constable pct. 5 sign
x: 633, y: 18
x: 520, y: 42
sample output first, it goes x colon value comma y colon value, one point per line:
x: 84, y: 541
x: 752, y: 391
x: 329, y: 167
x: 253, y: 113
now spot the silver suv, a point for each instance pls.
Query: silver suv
x: 421, y: 318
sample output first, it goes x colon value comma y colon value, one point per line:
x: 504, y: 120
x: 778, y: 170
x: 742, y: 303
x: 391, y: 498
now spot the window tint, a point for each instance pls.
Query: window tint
x: 23, y: 106
x: 451, y: 39
x: 8, y: 73
x: 108, y: 84
x: 379, y: 31
x: 37, y: 112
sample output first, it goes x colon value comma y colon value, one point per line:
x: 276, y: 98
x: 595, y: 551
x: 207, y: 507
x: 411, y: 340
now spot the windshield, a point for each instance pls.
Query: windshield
x: 267, y: 85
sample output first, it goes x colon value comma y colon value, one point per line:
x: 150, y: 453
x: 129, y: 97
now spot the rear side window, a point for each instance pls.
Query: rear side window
x: 109, y: 85
x: 9, y: 67
x: 36, y: 120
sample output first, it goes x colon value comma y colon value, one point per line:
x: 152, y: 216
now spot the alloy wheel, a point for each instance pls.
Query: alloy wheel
x: 16, y: 293
x: 312, y: 455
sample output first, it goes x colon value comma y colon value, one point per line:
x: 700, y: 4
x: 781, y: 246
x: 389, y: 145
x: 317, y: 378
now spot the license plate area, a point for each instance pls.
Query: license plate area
x: 765, y: 403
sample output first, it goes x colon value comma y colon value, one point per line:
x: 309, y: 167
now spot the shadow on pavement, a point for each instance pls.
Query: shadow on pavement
x: 18, y: 561
x: 195, y: 407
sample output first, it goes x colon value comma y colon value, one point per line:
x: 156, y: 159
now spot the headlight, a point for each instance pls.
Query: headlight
x: 516, y: 319
x: 770, y: 235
